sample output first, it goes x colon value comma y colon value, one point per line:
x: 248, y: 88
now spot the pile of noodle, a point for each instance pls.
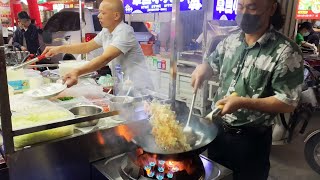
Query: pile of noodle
x: 167, y: 131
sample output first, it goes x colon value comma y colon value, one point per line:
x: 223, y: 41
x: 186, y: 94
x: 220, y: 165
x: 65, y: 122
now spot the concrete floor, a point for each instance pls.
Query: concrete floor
x: 287, y: 161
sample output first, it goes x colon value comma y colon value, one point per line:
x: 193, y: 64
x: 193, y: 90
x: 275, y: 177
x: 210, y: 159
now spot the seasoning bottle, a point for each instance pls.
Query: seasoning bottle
x: 155, y: 62
x: 163, y: 64
x: 159, y: 64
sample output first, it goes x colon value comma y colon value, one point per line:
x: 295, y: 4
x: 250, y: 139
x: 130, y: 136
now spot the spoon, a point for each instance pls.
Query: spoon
x: 129, y: 91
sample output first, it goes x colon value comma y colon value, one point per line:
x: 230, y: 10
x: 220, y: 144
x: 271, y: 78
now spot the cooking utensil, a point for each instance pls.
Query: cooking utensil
x: 215, y: 112
x: 204, y: 132
x: 34, y: 60
x: 187, y: 128
x: 86, y: 110
x: 128, y: 92
x: 119, y: 103
x: 125, y: 105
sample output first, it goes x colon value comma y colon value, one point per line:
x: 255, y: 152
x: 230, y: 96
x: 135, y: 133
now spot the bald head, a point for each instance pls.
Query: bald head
x: 115, y: 5
x: 111, y: 13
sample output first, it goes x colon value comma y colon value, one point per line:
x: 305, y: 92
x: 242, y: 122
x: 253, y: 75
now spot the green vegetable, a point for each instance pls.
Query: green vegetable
x: 47, y: 135
x: 37, y: 118
x: 65, y: 98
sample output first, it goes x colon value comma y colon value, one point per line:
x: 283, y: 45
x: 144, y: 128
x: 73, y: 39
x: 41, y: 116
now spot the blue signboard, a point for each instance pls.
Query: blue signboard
x: 225, y: 9
x: 155, y: 6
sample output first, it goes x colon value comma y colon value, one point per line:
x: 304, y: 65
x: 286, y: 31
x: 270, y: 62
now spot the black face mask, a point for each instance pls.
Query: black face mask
x: 249, y: 23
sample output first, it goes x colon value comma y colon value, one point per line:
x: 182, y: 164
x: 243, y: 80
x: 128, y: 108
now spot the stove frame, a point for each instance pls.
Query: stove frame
x: 110, y: 169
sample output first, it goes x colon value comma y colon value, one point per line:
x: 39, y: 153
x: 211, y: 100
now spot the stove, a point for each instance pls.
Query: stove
x: 144, y: 166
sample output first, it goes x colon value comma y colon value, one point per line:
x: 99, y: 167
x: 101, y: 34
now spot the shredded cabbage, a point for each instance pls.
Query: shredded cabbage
x: 39, y: 118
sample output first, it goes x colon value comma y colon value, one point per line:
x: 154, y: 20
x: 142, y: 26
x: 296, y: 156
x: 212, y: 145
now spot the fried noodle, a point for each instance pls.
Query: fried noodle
x: 167, y: 131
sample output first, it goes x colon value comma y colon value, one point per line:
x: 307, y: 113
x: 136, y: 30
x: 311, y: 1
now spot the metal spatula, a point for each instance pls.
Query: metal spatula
x: 187, y: 128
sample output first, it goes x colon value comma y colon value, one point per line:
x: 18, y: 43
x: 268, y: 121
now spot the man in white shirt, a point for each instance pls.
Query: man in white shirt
x: 119, y: 44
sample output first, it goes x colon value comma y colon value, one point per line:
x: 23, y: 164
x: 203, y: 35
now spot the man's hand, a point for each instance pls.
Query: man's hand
x: 230, y: 104
x: 200, y: 74
x: 50, y: 51
x: 23, y: 48
x: 315, y: 49
x: 71, y: 78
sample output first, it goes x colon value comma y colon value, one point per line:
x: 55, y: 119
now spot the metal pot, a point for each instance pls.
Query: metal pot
x: 86, y: 110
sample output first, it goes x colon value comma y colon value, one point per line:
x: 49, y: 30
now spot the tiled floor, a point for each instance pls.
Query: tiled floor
x: 288, y: 162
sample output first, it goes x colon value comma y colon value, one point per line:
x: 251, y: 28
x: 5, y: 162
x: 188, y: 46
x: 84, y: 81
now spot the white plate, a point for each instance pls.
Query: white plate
x: 46, y: 91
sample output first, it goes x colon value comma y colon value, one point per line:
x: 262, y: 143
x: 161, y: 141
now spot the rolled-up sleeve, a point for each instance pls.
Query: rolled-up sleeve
x: 287, y: 79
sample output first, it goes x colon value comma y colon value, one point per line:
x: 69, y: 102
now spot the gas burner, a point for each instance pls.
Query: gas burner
x: 130, y: 166
x: 149, y: 166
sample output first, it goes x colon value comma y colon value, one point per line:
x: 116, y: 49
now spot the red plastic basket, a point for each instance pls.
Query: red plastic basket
x: 147, y: 49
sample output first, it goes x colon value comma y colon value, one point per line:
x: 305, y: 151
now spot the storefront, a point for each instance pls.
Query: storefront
x: 100, y: 128
x: 159, y: 29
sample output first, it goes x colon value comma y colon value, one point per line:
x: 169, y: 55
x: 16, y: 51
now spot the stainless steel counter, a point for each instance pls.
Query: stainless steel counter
x: 70, y: 157
x: 67, y: 159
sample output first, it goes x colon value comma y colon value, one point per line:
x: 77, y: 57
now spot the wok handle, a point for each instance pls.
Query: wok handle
x: 218, y: 109
x: 221, y: 106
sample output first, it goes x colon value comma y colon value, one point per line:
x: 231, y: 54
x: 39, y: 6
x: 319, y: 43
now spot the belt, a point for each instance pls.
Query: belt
x: 245, y: 130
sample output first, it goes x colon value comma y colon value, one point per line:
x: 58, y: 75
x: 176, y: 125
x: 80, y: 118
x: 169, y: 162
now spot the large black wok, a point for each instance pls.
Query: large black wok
x: 203, y: 133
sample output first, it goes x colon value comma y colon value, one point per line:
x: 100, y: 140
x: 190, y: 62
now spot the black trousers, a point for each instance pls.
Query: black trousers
x: 244, y: 150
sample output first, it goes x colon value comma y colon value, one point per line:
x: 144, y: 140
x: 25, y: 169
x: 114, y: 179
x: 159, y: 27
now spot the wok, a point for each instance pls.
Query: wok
x: 203, y: 133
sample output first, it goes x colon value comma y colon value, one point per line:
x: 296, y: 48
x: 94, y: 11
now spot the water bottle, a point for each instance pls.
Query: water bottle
x: 119, y: 81
x: 118, y: 73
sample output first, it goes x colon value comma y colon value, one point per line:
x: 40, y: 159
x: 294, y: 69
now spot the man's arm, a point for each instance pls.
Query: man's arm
x: 208, y: 68
x: 80, y: 48
x: 108, y: 55
x: 316, y: 29
x: 202, y: 72
x: 269, y: 104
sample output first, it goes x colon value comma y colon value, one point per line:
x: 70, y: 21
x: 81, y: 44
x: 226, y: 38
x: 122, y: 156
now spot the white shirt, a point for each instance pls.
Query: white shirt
x: 132, y: 60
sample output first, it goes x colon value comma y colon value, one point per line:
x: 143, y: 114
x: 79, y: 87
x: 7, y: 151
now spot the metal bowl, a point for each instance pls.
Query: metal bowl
x: 125, y: 105
x: 121, y: 102
x: 121, y: 99
x: 86, y: 110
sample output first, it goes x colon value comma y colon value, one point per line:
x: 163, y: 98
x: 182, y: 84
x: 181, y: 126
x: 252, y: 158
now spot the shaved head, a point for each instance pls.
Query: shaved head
x: 111, y: 13
x: 115, y: 5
